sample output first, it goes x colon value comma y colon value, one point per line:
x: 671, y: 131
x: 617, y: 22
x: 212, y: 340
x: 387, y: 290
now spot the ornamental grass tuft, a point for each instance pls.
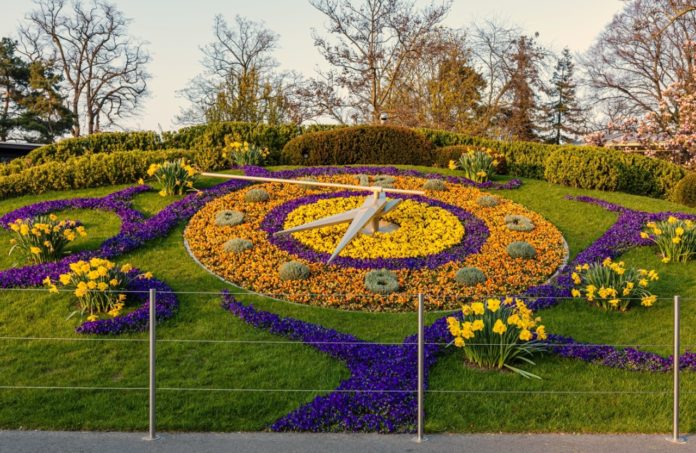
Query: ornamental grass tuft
x: 381, y: 281
x: 435, y: 184
x: 256, y: 196
x: 675, y: 238
x: 293, y: 270
x: 518, y: 223
x: 237, y: 245
x: 487, y: 201
x: 613, y: 286
x: 498, y: 335
x: 43, y: 238
x: 470, y: 276
x: 228, y: 218
x: 521, y: 249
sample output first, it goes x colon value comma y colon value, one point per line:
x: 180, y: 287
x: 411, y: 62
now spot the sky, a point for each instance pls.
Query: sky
x: 176, y: 29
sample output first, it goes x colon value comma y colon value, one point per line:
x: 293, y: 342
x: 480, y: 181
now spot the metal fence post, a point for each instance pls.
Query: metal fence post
x: 152, y: 435
x: 675, y: 369
x: 421, y: 368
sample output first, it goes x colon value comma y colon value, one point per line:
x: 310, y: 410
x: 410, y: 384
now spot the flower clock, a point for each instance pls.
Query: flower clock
x: 434, y: 236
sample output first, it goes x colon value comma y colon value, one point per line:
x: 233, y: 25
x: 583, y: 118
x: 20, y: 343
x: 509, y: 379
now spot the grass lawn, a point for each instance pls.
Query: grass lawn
x: 289, y: 365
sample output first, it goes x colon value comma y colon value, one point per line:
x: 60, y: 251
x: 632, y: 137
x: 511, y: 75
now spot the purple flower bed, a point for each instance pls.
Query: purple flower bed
x: 379, y: 395
x: 138, y: 320
x: 473, y: 240
x: 623, y: 235
x: 251, y: 170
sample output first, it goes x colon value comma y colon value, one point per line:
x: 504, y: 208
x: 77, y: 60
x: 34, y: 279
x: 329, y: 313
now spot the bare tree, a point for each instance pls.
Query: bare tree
x: 373, y: 41
x: 639, y: 54
x: 102, y: 66
x: 239, y: 82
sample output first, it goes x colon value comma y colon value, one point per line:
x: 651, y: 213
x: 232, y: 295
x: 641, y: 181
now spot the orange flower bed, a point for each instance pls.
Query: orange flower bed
x: 256, y: 269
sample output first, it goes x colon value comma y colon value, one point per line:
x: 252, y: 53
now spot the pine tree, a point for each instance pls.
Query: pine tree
x: 522, y: 113
x: 31, y: 107
x: 563, y: 116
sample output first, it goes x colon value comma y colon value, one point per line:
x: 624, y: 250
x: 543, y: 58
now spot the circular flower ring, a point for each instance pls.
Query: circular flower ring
x: 340, y: 284
x: 475, y: 235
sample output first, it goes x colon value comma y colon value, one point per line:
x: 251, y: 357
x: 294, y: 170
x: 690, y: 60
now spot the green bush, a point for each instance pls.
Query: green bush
x: 228, y: 218
x: 87, y: 171
x: 359, y: 145
x: 237, y: 245
x: 256, y: 196
x: 470, y: 276
x: 435, y: 184
x: 603, y: 169
x: 381, y: 281
x: 526, y: 159
x: 521, y: 249
x: 293, y: 270
x: 516, y: 222
x: 105, y: 142
x: 487, y: 201
x: 684, y: 191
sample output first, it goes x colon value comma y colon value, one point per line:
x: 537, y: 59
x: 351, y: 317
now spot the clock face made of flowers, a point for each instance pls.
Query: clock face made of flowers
x: 273, y: 239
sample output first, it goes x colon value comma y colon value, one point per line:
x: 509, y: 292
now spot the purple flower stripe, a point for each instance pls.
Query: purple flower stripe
x: 166, y: 305
x: 623, y: 235
x: 251, y: 170
x: 379, y: 395
x: 473, y: 240
x: 135, y: 230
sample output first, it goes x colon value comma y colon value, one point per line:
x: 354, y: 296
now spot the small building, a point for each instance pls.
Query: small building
x: 12, y: 150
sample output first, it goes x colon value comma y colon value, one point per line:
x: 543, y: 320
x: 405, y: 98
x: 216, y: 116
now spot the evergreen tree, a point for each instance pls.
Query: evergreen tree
x: 14, y: 78
x: 32, y: 107
x: 563, y: 116
x: 522, y: 113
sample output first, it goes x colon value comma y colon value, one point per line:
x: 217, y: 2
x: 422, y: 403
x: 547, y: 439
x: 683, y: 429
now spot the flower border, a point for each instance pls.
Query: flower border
x: 476, y: 234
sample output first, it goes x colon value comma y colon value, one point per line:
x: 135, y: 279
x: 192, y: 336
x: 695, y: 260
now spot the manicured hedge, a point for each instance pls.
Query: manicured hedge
x: 596, y: 168
x: 105, y: 142
x: 685, y: 190
x: 92, y: 170
x: 359, y: 145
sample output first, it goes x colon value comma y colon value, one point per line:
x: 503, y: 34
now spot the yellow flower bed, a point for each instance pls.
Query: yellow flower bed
x: 423, y: 230
x: 333, y: 286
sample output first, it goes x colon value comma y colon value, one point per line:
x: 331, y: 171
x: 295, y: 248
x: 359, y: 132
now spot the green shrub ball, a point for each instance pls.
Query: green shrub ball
x: 256, y: 196
x: 381, y: 281
x: 487, y: 201
x: 309, y: 179
x: 237, y: 245
x: 685, y: 191
x: 228, y: 218
x: 521, y: 249
x: 435, y: 184
x: 293, y: 270
x: 518, y: 223
x: 470, y: 276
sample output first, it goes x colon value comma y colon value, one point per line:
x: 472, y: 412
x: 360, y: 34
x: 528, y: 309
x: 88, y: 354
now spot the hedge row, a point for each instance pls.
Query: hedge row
x: 579, y: 166
x: 92, y: 170
x: 359, y: 145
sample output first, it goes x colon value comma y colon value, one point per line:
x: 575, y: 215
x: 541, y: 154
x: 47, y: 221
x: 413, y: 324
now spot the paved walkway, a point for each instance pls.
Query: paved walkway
x: 107, y: 442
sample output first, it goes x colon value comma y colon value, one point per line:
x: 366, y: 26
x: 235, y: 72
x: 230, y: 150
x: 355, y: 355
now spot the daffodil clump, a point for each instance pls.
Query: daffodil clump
x: 43, y: 238
x: 613, y: 286
x: 175, y: 177
x: 477, y: 165
x: 498, y: 335
x: 423, y: 229
x: 98, y: 285
x: 243, y: 153
x: 675, y: 238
